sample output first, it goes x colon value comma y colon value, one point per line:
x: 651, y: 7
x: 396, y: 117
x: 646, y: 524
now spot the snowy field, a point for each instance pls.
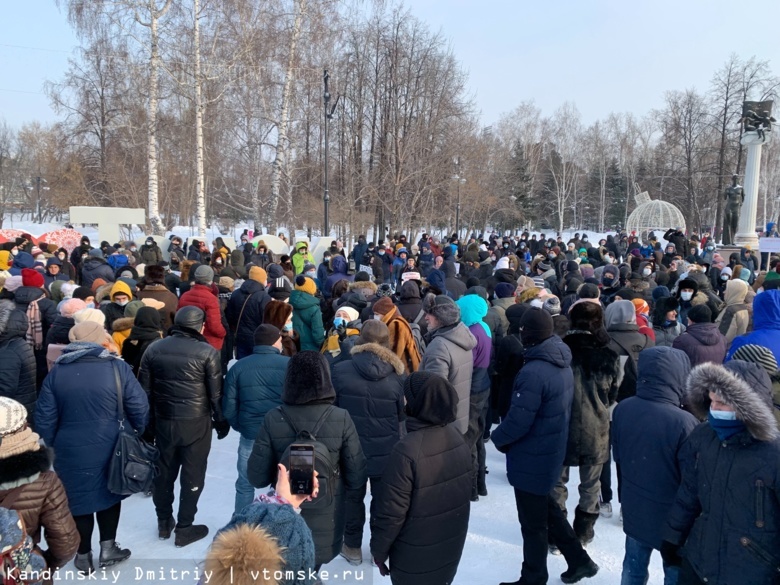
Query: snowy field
x: 493, y: 551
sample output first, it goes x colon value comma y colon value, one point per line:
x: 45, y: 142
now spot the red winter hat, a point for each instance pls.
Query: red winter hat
x: 32, y: 278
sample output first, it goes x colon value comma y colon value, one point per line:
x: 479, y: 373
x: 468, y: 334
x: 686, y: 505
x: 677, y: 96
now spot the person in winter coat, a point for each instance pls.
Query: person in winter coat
x: 648, y: 432
x: 202, y: 295
x: 509, y: 360
x: 77, y: 256
x: 32, y: 489
x: 702, y: 341
x: 301, y: 256
x: 262, y: 256
x: 307, y: 315
x: 58, y: 332
x: 220, y: 249
x: 95, y: 267
x: 370, y: 387
x: 17, y: 360
x: 122, y: 327
x: 665, y: 324
x: 83, y: 451
x: 183, y: 377
x: 402, y: 340
x: 766, y: 325
x: 307, y: 402
x: 725, y: 521
x: 245, y: 310
x: 421, y: 519
x: 627, y: 342
x: 41, y: 313
x: 410, y: 304
x: 339, y: 267
x: 473, y: 309
x: 596, y: 371
x: 253, y: 387
x: 734, y: 320
x: 146, y: 329
x: 764, y: 358
x: 236, y: 268
x: 120, y: 296
x: 533, y: 436
x: 54, y: 272
x: 448, y: 351
x: 151, y: 254
x: 154, y: 288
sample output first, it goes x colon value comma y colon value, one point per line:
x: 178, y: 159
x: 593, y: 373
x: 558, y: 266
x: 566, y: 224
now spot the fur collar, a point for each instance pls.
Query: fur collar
x: 240, y: 548
x: 366, y: 287
x: 383, y: 353
x: 123, y: 324
x: 25, y: 467
x: 751, y: 409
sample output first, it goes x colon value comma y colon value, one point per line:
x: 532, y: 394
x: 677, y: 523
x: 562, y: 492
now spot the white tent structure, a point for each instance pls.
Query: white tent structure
x: 650, y: 215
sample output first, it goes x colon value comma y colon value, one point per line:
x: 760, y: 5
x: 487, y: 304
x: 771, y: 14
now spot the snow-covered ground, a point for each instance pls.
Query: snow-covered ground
x: 493, y: 551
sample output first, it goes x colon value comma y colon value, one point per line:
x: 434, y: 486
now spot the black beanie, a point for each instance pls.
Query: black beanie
x: 700, y: 314
x: 266, y: 334
x: 83, y: 293
x: 536, y: 326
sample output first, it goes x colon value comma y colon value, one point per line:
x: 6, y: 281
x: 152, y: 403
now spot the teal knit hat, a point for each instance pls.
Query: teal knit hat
x: 473, y: 309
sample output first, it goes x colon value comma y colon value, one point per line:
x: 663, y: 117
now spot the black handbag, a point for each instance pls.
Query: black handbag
x: 132, y: 468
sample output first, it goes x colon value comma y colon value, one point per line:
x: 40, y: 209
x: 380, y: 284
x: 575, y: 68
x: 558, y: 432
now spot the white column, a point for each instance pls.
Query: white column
x: 746, y: 232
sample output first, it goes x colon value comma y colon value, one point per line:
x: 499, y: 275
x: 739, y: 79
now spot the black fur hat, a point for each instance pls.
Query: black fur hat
x: 308, y: 380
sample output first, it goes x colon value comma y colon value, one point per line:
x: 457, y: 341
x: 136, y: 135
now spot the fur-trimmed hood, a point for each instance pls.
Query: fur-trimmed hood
x: 11, y: 324
x: 24, y: 468
x: 752, y: 401
x: 241, y: 550
x: 383, y: 354
x: 123, y: 324
x: 365, y: 287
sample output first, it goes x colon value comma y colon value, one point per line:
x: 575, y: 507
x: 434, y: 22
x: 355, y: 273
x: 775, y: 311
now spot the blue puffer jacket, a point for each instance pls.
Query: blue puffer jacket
x: 76, y: 415
x: 536, y: 429
x: 253, y: 386
x: 648, y: 431
x: 339, y: 267
x: 766, y: 325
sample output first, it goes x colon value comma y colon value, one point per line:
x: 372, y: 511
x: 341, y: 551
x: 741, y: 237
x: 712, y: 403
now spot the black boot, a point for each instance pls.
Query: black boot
x: 164, y: 527
x: 583, y: 525
x: 585, y: 569
x: 190, y: 534
x: 111, y: 554
x: 83, y: 563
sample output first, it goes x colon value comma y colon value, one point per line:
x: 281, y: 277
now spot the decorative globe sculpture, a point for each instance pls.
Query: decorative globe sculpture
x: 655, y: 216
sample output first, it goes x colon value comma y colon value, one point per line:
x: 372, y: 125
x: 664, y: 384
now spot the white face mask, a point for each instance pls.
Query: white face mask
x: 647, y: 272
x: 311, y: 274
x: 378, y: 317
x: 122, y: 303
x: 14, y: 252
x: 686, y: 295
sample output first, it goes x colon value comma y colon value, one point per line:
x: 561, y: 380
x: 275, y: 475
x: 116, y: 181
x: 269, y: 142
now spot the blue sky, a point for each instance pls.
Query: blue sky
x: 604, y: 55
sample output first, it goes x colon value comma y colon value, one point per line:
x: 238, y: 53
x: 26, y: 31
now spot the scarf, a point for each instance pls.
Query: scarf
x: 79, y: 349
x: 19, y: 442
x: 34, y: 335
x: 725, y: 429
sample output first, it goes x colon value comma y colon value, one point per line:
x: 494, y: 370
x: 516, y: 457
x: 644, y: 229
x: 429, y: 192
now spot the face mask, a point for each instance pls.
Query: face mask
x: 686, y: 296
x: 381, y: 252
x: 551, y: 256
x: 90, y: 305
x: 14, y: 252
x: 506, y: 246
x: 311, y: 274
x: 133, y: 249
x: 724, y: 277
x: 377, y: 317
x: 647, y: 272
x: 723, y: 414
x: 61, y: 256
x: 288, y: 326
x: 122, y: 303
x: 339, y: 322
x: 326, y: 258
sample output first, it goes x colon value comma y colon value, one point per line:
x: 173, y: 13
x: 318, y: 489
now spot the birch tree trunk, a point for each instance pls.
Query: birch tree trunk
x: 284, y: 119
x: 200, y: 190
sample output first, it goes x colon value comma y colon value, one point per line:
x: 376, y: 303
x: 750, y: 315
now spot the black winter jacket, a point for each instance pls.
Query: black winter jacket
x: 182, y: 375
x: 596, y: 369
x: 253, y: 298
x: 421, y: 517
x: 648, y: 431
x: 727, y: 512
x: 17, y: 361
x: 58, y: 332
x: 48, y: 308
x: 370, y: 387
x: 338, y: 434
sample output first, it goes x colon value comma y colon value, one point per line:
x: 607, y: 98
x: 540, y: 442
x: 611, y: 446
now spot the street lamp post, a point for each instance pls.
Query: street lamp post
x: 328, y: 116
x: 460, y: 180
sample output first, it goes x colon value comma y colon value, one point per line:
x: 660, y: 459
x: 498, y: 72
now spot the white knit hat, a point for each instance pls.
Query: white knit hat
x: 94, y: 315
x: 13, y: 416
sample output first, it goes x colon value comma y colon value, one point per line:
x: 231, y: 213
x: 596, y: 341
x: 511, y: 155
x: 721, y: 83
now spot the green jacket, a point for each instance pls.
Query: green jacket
x: 307, y: 320
x: 299, y: 260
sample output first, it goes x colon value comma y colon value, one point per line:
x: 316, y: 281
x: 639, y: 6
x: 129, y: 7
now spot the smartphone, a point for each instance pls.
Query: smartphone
x: 301, y: 469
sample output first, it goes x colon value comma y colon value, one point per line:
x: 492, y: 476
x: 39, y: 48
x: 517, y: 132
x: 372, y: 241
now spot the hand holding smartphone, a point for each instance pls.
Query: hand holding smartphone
x: 294, y: 489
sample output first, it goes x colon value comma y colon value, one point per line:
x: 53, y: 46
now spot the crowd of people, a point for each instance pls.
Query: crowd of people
x: 399, y: 362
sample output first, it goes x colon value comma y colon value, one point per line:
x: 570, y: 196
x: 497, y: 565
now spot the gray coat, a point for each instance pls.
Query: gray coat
x: 448, y: 354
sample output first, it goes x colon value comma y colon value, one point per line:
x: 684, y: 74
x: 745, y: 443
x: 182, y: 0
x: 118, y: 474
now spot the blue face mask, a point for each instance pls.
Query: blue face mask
x: 339, y: 322
x: 287, y: 327
x: 312, y: 274
x: 381, y: 252
x: 723, y: 414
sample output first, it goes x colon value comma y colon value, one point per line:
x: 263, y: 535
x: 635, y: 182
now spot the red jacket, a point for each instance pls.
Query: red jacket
x: 203, y: 297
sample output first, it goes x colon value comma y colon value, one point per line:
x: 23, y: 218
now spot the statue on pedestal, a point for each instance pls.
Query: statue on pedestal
x: 735, y: 197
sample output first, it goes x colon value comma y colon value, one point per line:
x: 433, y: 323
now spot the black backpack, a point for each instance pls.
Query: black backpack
x: 327, y: 473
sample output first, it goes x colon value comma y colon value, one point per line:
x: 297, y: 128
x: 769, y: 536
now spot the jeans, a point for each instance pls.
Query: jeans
x: 355, y: 512
x: 539, y: 517
x: 589, y: 488
x: 635, y: 563
x: 245, y: 492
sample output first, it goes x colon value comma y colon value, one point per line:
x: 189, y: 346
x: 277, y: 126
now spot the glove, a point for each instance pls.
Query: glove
x: 222, y: 427
x: 670, y: 553
x: 383, y: 570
